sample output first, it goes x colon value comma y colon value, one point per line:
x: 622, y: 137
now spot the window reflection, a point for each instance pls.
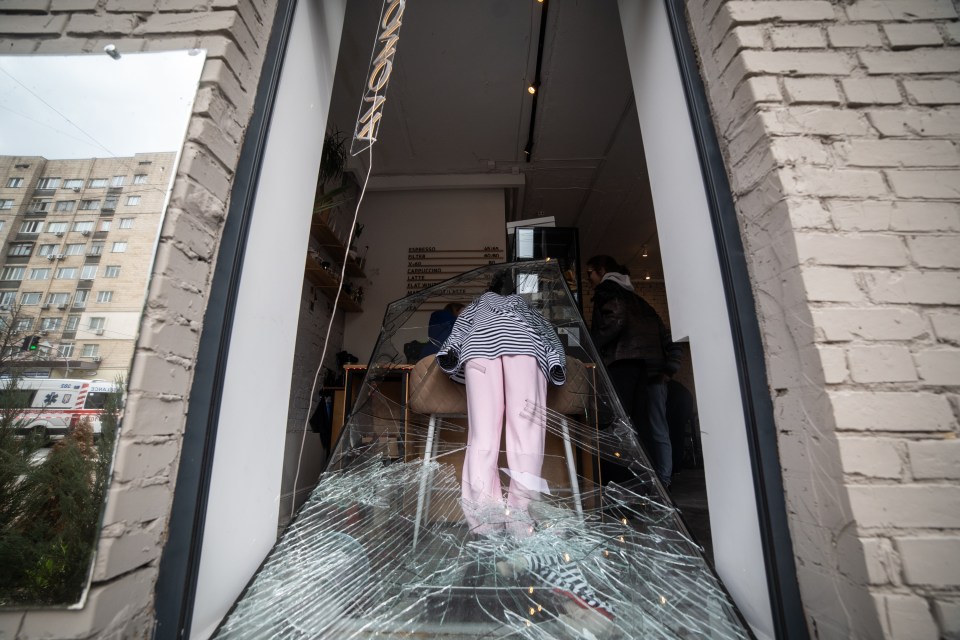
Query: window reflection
x: 68, y: 324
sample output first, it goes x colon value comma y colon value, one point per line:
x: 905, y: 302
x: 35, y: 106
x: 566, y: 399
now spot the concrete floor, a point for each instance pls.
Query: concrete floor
x: 689, y: 493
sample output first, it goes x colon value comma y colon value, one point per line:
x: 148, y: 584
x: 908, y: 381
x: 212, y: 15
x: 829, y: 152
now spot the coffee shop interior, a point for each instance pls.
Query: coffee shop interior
x: 510, y: 134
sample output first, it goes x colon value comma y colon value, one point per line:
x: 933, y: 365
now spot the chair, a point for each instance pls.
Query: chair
x: 433, y: 393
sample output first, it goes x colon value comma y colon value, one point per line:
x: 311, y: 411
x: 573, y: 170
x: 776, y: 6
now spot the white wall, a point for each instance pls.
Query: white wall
x: 698, y: 308
x: 241, y: 519
x: 396, y: 220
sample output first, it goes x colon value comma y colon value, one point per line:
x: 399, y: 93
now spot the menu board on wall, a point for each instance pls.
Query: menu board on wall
x: 429, y: 265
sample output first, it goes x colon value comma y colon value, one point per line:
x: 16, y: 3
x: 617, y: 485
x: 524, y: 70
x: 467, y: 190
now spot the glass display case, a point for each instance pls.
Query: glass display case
x: 388, y: 545
x: 554, y: 243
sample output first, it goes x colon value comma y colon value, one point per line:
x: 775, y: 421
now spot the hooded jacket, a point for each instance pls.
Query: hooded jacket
x: 626, y: 327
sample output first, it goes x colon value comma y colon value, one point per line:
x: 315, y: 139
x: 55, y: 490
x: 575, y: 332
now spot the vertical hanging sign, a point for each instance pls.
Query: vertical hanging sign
x: 378, y: 75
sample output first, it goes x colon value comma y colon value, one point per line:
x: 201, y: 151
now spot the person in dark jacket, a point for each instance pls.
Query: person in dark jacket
x: 639, y: 355
x: 441, y: 324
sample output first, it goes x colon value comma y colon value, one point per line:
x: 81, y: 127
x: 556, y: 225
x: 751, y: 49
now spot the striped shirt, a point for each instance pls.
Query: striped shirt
x: 493, y: 326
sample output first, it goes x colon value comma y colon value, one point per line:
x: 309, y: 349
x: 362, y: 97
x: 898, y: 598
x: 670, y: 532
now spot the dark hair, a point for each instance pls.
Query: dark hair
x: 454, y: 307
x: 502, y: 283
x: 607, y: 265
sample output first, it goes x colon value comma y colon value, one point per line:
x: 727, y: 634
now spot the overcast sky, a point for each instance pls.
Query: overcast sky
x: 94, y: 106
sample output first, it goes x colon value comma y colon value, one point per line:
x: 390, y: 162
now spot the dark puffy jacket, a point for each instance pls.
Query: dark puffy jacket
x: 626, y: 327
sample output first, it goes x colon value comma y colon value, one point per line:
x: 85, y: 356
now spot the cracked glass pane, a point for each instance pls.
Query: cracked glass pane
x: 396, y: 540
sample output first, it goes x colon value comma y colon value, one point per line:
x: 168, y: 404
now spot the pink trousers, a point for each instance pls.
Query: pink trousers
x: 509, y: 389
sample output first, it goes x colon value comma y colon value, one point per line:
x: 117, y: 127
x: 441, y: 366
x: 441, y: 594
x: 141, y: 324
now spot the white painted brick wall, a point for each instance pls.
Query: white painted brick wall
x: 948, y: 616
x: 806, y: 90
x: 797, y: 38
x: 873, y: 457
x: 856, y: 410
x: 857, y: 151
x: 854, y: 36
x: 908, y: 36
x: 881, y: 363
x: 861, y: 91
x: 843, y: 324
x: 933, y: 92
x: 935, y: 459
x: 930, y: 560
x: 906, y: 616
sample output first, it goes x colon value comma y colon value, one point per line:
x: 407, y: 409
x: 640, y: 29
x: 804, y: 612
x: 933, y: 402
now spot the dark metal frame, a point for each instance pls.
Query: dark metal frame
x: 785, y: 604
x: 180, y: 563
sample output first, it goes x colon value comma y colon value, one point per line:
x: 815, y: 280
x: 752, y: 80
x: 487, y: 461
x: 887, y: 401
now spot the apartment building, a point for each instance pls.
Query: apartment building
x: 78, y: 240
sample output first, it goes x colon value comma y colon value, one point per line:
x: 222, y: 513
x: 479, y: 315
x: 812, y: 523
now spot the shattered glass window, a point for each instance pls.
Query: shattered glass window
x: 388, y: 544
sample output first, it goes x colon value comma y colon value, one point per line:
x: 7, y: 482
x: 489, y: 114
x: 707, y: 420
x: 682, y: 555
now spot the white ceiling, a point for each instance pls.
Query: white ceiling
x: 457, y: 104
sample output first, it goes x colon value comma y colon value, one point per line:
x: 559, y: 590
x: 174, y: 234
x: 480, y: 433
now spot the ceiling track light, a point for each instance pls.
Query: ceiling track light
x: 644, y: 252
x: 534, y: 87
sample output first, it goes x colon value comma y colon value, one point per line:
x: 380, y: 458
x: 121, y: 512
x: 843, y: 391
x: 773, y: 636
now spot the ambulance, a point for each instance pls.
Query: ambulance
x: 52, y: 406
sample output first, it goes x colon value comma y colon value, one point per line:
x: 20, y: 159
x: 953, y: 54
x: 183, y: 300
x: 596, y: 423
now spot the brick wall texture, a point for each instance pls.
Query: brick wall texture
x: 234, y: 33
x: 840, y: 124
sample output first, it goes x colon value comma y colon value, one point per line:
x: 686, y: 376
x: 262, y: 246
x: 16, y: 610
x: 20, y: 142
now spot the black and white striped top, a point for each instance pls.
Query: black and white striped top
x: 493, y: 326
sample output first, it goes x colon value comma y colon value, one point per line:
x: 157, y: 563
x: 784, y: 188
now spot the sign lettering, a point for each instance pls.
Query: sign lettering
x: 378, y: 75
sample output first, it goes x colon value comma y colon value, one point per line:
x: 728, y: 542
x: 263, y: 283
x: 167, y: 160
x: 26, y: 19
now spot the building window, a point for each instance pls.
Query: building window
x: 20, y: 249
x: 67, y: 273
x: 65, y: 350
x: 96, y: 249
x: 80, y: 298
x: 6, y: 204
x: 65, y: 206
x: 73, y: 183
x: 7, y: 298
x: 89, y: 205
x: 126, y: 223
x: 133, y: 201
x: 105, y: 225
x: 74, y: 249
x: 88, y: 272
x: 97, y: 323
x: 58, y: 299
x: 3, y: 223
x: 39, y: 274
x: 32, y: 226
x: 30, y: 298
x: 47, y: 250
x: 117, y: 181
x: 97, y: 183
x: 110, y: 203
x: 105, y: 296
x: 23, y: 324
x: 140, y: 178
x: 40, y: 205
x: 83, y: 226
x: 112, y: 271
x: 90, y: 350
x: 48, y: 183
x: 58, y: 227
x: 72, y: 323
x: 49, y: 324
x: 14, y: 183
x: 14, y: 273
x: 119, y: 247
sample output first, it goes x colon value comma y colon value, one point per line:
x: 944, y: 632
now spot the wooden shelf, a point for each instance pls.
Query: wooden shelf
x: 321, y: 279
x: 329, y: 241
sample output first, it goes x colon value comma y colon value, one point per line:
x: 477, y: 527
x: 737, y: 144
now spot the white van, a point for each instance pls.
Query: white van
x: 52, y: 406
